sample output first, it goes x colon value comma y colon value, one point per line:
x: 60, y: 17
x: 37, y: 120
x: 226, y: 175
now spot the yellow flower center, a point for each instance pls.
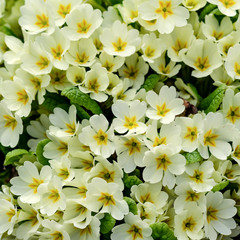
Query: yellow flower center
x: 22, y: 97
x: 81, y: 58
x: 107, y: 199
x: 71, y: 128
x: 54, y: 195
x: 42, y: 21
x: 43, y: 62
x: 209, y: 138
x: 188, y: 224
x: 202, y: 64
x: 57, y: 52
x: 10, y: 122
x: 233, y: 114
x: 119, y: 46
x: 83, y: 27
x: 108, y: 66
x: 36, y: 82
x: 162, y: 110
x: 131, y: 72
x: 107, y: 175
x: 134, y: 14
x: 149, y: 52
x: 133, y: 146
x: 211, y: 214
x: 93, y: 85
x: 163, y: 162
x: 197, y: 176
x: 64, y: 173
x: 87, y: 230
x: 35, y: 183
x: 217, y: 35
x: 57, y: 235
x: 63, y: 147
x: 64, y: 10
x: 191, y: 134
x: 164, y: 69
x: 237, y: 68
x: 101, y: 137
x: 158, y: 141
x: 192, y: 196
x: 237, y: 152
x: 135, y: 232
x: 179, y: 45
x: 165, y: 9
x: 130, y: 122
x: 146, y: 198
x: 10, y: 214
x: 227, y: 3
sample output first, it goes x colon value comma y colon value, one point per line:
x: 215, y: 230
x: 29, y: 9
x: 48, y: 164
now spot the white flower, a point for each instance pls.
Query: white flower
x: 130, y: 151
x: 198, y: 176
x: 36, y: 17
x: 106, y: 196
x: 10, y: 127
x: 52, y: 197
x: 98, y: 136
x: 119, y: 40
x: 232, y: 63
x: 236, y: 150
x: 8, y: 216
x: 194, y: 5
x: 96, y: 82
x: 133, y: 228
x: 129, y: 116
x: 168, y: 14
x: 218, y: 214
x: 76, y: 75
x: 227, y: 7
x: 82, y: 22
x: 203, y: 56
x: 164, y: 106
x: 189, y: 223
x: 26, y: 185
x: 134, y: 69
x: 162, y: 164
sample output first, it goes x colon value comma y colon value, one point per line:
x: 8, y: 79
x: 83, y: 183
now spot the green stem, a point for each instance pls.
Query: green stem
x: 206, y: 10
x: 96, y: 5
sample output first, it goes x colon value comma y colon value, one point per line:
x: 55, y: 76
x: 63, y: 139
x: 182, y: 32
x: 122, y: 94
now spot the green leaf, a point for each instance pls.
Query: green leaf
x: 151, y: 82
x: 192, y: 157
x: 129, y: 181
x: 39, y: 152
x: 107, y: 223
x: 161, y: 231
x: 213, y: 101
x: 206, y: 10
x: 82, y: 114
x: 220, y: 186
x: 194, y: 91
x: 14, y: 156
x: 4, y: 150
x: 82, y: 99
x: 132, y: 205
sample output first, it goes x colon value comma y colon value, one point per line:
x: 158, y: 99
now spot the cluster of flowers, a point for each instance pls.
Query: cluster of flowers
x: 108, y: 56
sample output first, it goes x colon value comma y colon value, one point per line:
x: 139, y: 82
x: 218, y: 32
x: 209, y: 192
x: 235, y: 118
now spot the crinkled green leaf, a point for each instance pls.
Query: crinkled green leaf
x: 151, y: 82
x: 39, y: 152
x: 107, y: 223
x: 192, y: 157
x: 213, y: 101
x: 161, y: 231
x: 132, y: 205
x: 220, y: 186
x: 14, y: 156
x: 82, y: 99
x: 53, y: 100
x: 206, y: 10
x: 129, y: 181
x: 82, y: 114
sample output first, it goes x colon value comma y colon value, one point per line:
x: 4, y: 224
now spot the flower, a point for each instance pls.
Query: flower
x: 167, y: 13
x: 133, y: 228
x: 119, y: 40
x: 164, y: 106
x: 98, y: 136
x: 218, y: 215
x: 227, y: 7
x: 106, y: 196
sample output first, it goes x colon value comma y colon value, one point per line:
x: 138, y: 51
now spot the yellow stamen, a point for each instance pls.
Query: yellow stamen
x: 165, y: 9
x: 83, y: 27
x: 64, y: 10
x: 119, y: 46
x: 202, y: 64
x: 209, y: 138
x: 101, y: 137
x: 42, y: 21
x: 10, y: 122
x: 163, y: 162
x: 162, y: 110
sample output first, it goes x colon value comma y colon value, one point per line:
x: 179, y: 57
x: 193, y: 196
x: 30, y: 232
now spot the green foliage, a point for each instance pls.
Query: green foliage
x: 131, y: 204
x: 14, y: 156
x: 192, y: 157
x: 82, y: 114
x: 107, y: 223
x: 151, y: 82
x: 82, y: 99
x: 161, y: 231
x: 39, y: 152
x: 213, y: 101
x: 129, y: 181
x: 206, y: 10
x: 220, y: 186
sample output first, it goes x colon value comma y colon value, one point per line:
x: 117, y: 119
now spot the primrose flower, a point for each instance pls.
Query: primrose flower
x: 29, y: 179
x: 133, y: 228
x: 203, y: 56
x: 227, y: 7
x: 36, y: 17
x: 218, y: 215
x: 164, y: 106
x: 167, y: 13
x: 10, y: 127
x: 236, y: 150
x: 98, y: 136
x: 76, y: 75
x: 128, y: 117
x: 82, y: 22
x: 119, y: 40
x: 162, y: 164
x: 194, y: 5
x: 106, y: 196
